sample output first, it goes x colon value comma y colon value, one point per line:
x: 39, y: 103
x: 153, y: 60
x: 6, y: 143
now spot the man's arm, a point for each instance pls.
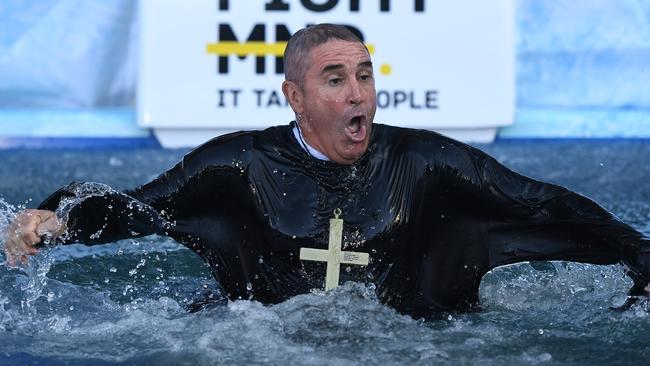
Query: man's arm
x: 532, y: 220
x: 93, y: 213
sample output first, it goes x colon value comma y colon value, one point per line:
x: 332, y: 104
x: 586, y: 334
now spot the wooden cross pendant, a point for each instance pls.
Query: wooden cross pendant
x: 333, y: 255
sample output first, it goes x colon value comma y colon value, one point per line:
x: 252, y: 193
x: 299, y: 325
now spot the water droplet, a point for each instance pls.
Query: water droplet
x: 348, y: 269
x: 50, y: 296
x: 113, y: 161
x: 120, y: 252
x: 540, y: 331
x: 71, y: 308
x: 133, y: 272
x: 261, y: 260
x: 249, y: 286
x: 113, y: 269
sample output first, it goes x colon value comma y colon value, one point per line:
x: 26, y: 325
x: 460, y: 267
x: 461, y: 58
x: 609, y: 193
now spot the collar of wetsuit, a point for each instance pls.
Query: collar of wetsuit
x: 297, y: 133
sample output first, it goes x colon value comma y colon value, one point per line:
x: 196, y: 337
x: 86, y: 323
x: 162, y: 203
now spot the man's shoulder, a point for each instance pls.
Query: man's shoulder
x: 241, y: 140
x: 238, y: 146
x: 421, y: 144
x: 247, y: 136
x: 413, y: 138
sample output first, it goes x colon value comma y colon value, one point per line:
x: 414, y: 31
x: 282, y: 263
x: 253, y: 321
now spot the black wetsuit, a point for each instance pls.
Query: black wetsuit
x: 434, y: 214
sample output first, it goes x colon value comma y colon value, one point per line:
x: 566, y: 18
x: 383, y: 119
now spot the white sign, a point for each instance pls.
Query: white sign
x: 211, y: 65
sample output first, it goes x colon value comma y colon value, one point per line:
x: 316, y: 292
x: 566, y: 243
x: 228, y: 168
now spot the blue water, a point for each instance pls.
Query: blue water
x: 126, y: 303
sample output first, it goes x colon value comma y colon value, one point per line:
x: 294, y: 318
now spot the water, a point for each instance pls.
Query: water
x: 126, y: 303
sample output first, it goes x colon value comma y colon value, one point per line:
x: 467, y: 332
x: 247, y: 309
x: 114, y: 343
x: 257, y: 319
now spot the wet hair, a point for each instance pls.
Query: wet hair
x: 296, y: 54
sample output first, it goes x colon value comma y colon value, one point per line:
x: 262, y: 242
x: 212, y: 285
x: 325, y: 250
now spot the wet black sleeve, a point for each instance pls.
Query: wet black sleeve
x: 532, y: 220
x: 95, y: 213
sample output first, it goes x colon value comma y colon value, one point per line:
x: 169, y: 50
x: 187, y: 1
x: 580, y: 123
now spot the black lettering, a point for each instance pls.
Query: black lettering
x: 221, y: 92
x: 273, y: 99
x: 383, y: 99
x: 226, y: 34
x: 419, y: 6
x: 399, y: 98
x: 431, y: 99
x: 277, y: 5
x: 412, y: 101
x: 223, y: 5
x: 235, y: 94
x: 258, y: 93
x: 309, y: 5
x: 384, y: 5
x: 282, y: 34
x: 225, y: 93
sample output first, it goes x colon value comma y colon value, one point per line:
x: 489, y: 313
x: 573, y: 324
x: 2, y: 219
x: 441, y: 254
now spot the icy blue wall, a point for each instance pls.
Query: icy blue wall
x: 583, y: 53
x: 67, y: 53
x: 583, y: 66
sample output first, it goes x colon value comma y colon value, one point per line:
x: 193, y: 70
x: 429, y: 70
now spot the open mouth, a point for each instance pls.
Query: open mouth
x: 356, y: 129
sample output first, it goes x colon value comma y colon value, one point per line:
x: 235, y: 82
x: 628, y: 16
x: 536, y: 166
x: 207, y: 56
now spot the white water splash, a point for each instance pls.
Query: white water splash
x: 37, y: 280
x: 81, y: 192
x: 7, y: 214
x: 37, y: 266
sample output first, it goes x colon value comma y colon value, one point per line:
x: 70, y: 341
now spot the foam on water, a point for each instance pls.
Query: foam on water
x: 542, y: 304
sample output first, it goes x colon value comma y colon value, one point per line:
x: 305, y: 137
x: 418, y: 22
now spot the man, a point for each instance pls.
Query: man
x: 432, y: 214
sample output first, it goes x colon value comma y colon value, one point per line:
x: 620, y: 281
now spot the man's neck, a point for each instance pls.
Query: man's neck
x: 297, y: 133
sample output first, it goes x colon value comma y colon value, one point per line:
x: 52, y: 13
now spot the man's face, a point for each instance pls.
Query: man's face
x: 338, y: 101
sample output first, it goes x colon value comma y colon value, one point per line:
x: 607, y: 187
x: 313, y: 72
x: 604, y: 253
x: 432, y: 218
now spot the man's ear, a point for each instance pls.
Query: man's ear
x: 294, y: 96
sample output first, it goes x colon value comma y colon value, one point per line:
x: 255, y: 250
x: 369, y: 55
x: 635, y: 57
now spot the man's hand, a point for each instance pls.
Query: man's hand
x: 24, y: 233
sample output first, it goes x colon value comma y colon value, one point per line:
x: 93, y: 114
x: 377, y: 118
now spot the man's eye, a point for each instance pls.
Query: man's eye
x: 335, y: 81
x: 365, y: 77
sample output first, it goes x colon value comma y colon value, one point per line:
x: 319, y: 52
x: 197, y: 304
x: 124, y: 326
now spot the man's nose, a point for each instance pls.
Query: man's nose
x: 355, y: 95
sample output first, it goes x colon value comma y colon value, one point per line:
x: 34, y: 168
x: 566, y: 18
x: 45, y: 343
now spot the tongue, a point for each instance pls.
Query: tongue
x: 356, y: 131
x: 355, y: 125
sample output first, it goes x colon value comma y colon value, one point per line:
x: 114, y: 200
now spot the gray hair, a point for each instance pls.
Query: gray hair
x: 296, y: 55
